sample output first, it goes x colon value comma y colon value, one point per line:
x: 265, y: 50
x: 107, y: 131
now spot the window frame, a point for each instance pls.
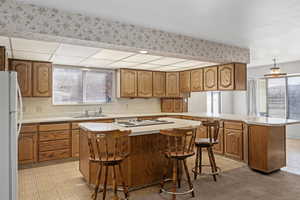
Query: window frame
x: 84, y: 87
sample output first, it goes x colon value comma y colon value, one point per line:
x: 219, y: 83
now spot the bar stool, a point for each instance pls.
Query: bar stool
x: 109, y: 149
x: 208, y: 143
x: 179, y: 145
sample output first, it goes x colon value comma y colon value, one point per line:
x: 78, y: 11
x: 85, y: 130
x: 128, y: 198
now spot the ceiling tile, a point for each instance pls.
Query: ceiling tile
x: 91, y: 62
x: 167, y: 61
x: 4, y: 41
x: 165, y: 68
x: 188, y: 63
x: 112, y: 55
x: 26, y: 55
x: 34, y: 46
x: 76, y: 51
x: 122, y: 64
x: 204, y: 64
x: 66, y: 60
x: 147, y: 66
x: 141, y: 58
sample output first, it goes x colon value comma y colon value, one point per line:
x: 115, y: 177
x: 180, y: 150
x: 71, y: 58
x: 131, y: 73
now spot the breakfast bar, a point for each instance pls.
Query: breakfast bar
x: 144, y: 165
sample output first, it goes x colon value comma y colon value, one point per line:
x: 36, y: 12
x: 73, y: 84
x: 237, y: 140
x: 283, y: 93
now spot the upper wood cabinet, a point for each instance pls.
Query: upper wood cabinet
x: 159, y: 84
x: 233, y: 77
x: 197, y: 80
x: 145, y: 83
x: 2, y: 58
x: 172, y: 84
x: 24, y: 70
x: 226, y: 77
x: 211, y: 78
x: 128, y: 83
x: 42, y: 79
x: 185, y: 81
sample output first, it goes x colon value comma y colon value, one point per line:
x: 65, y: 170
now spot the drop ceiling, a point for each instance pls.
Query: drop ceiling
x: 268, y: 28
x: 67, y: 54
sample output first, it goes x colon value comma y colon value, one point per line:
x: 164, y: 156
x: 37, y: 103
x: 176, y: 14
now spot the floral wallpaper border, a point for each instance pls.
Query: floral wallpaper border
x: 34, y: 22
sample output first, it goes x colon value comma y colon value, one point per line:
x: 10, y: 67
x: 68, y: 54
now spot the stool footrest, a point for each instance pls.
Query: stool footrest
x: 177, y: 193
x: 205, y: 174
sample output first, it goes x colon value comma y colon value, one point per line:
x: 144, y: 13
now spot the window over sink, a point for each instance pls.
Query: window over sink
x: 73, y: 85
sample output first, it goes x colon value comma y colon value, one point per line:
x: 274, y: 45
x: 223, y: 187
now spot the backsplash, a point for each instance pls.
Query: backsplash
x: 43, y: 107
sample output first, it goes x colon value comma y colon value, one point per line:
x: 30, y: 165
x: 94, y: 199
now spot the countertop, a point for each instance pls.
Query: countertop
x: 142, y: 130
x: 267, y: 121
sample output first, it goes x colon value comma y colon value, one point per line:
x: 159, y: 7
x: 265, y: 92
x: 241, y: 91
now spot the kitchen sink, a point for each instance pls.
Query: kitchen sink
x: 89, y: 116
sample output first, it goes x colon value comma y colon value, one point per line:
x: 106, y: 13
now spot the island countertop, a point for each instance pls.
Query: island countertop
x: 141, y: 130
x: 253, y: 120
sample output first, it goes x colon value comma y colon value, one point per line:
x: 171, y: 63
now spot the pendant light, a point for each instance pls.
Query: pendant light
x: 275, y: 71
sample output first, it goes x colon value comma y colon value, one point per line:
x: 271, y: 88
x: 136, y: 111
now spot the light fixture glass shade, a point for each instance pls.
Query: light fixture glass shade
x: 275, y: 71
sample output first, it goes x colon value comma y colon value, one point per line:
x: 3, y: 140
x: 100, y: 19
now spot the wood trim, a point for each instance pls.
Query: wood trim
x: 29, y: 128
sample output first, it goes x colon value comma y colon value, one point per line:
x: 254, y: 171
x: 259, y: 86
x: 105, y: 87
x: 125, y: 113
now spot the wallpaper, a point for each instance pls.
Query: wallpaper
x: 33, y: 22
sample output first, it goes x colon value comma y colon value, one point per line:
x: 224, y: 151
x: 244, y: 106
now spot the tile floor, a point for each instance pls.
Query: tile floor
x: 63, y: 181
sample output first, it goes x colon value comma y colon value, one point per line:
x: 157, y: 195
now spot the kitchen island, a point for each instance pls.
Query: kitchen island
x: 146, y: 162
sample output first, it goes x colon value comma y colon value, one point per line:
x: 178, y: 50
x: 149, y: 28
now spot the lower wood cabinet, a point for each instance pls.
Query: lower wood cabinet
x: 75, y: 143
x: 233, y: 143
x: 219, y: 148
x: 2, y: 58
x: 174, y: 105
x: 27, y: 148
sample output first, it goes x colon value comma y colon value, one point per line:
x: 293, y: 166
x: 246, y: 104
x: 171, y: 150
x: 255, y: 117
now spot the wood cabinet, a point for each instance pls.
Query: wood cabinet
x: 233, y: 138
x: 75, y: 143
x: 145, y: 83
x: 219, y: 148
x: 210, y: 78
x: 27, y: 145
x: 128, y: 83
x: 172, y: 84
x: 24, y: 71
x: 54, y: 141
x: 232, y: 77
x: 2, y: 58
x: 267, y: 147
x: 42, y: 79
x: 197, y: 80
x: 185, y: 81
x: 174, y: 105
x: 159, y: 84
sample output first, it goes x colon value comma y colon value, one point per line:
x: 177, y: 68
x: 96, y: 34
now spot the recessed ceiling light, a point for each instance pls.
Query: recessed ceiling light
x: 143, y: 51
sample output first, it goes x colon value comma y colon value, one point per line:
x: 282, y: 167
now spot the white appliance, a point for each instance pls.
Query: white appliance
x: 10, y: 114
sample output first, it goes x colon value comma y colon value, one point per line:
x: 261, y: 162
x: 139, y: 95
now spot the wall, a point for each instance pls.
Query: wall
x: 42, y: 107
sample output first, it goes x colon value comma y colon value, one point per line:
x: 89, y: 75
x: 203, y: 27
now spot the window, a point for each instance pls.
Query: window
x: 73, y: 85
x: 293, y: 96
x: 214, y: 102
x: 276, y: 101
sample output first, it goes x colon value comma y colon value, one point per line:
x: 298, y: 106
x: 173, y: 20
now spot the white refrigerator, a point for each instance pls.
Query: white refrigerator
x: 10, y: 102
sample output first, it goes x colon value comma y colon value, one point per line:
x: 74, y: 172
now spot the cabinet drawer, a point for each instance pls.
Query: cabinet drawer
x: 29, y: 128
x: 54, y: 135
x: 54, y: 145
x: 233, y: 125
x: 54, y: 127
x: 54, y: 155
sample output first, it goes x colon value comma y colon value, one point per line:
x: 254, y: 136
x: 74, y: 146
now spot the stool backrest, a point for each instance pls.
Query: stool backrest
x: 179, y: 141
x: 212, y: 129
x: 108, y: 145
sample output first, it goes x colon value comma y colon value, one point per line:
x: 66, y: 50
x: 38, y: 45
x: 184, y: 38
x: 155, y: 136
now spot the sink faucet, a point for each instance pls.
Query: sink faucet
x: 100, y: 110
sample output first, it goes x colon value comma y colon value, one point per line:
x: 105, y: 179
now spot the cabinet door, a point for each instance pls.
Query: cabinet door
x: 144, y: 83
x: 219, y: 148
x: 159, y: 84
x: 75, y: 143
x: 178, y: 105
x: 172, y: 84
x: 167, y: 105
x: 2, y: 58
x: 197, y: 80
x: 185, y: 81
x: 27, y: 150
x: 226, y: 77
x: 128, y: 83
x: 240, y: 76
x: 24, y: 70
x: 234, y: 143
x: 42, y: 79
x: 211, y: 78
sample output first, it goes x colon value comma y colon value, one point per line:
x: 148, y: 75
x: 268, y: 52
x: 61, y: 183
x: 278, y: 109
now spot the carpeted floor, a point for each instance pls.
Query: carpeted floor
x: 242, y: 184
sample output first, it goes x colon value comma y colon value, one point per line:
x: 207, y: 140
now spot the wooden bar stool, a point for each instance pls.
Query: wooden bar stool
x: 179, y: 146
x: 208, y: 143
x: 109, y: 149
